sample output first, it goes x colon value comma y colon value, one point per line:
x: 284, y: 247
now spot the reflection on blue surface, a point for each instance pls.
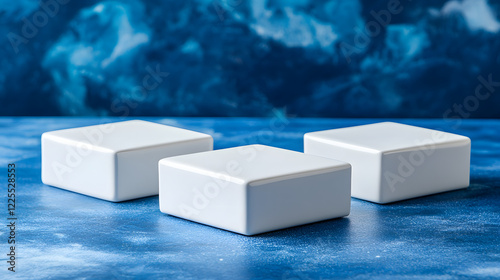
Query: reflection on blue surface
x: 332, y: 58
x: 66, y: 235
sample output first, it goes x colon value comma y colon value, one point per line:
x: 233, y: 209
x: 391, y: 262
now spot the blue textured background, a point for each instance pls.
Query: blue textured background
x: 64, y: 235
x: 247, y: 58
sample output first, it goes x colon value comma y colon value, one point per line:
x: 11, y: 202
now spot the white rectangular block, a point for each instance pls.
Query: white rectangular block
x: 254, y: 189
x: 117, y: 161
x: 392, y: 162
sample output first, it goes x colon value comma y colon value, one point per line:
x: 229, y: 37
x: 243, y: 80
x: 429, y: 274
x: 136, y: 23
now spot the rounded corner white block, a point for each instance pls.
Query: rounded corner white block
x: 254, y: 189
x: 393, y: 162
x: 116, y: 161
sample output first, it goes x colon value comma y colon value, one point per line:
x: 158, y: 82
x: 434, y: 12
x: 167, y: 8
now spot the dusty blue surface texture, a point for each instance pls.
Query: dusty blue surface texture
x: 61, y: 234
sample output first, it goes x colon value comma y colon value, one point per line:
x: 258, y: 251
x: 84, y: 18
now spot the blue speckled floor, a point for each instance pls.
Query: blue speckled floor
x: 61, y: 234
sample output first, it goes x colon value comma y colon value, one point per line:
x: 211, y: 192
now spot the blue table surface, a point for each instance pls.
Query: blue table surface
x: 61, y: 234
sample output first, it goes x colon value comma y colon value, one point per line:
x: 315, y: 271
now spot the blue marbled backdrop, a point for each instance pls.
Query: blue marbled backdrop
x: 336, y: 58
